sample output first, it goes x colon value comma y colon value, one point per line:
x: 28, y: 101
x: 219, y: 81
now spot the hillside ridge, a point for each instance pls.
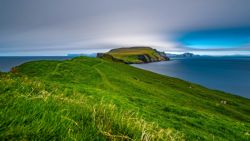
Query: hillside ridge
x: 95, y: 99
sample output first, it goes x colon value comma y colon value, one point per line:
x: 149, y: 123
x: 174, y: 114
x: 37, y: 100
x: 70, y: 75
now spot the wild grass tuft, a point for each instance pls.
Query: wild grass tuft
x: 29, y: 112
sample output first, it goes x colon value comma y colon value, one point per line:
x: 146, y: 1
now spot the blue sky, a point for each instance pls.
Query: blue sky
x: 59, y: 27
x: 216, y: 38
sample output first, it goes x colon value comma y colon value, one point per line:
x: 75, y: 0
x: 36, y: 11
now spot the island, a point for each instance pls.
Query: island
x: 134, y: 55
x: 183, y: 55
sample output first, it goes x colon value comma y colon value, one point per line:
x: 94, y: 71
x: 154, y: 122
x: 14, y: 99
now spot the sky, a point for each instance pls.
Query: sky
x: 61, y: 27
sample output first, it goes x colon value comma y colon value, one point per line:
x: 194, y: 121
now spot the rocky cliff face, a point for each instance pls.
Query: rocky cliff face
x: 134, y: 55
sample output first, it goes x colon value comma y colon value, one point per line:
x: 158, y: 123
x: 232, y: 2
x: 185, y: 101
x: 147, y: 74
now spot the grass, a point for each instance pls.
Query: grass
x: 94, y: 99
x: 30, y: 112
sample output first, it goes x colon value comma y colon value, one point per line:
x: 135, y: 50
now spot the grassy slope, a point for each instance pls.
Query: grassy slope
x: 61, y: 99
x: 130, y: 55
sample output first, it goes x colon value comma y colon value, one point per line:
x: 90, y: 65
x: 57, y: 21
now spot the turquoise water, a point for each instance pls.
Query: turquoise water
x: 229, y: 74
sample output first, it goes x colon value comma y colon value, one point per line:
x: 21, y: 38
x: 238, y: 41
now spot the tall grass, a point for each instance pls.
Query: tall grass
x: 30, y: 112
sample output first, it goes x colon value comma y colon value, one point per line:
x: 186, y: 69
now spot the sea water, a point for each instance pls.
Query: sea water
x: 229, y: 74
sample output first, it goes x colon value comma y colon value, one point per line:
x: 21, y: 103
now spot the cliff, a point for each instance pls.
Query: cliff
x: 134, y: 55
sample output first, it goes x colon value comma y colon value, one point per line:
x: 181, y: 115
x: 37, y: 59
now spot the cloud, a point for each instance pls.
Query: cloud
x: 62, y: 26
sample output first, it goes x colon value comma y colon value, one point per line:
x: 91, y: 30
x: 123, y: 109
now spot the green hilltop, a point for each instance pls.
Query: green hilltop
x: 96, y: 99
x: 134, y: 55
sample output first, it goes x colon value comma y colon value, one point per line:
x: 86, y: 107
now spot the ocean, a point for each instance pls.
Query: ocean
x: 228, y: 74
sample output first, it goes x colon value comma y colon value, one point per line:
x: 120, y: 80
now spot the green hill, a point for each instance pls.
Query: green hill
x: 134, y: 55
x: 95, y: 99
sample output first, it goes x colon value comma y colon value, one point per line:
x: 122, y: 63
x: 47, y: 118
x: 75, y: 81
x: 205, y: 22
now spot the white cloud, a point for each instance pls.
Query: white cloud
x: 65, y: 26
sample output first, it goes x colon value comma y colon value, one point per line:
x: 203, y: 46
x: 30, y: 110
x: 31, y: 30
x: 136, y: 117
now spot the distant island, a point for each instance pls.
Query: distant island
x: 184, y: 55
x: 134, y: 55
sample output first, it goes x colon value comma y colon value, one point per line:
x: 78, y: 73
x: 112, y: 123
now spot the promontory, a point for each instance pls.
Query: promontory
x: 134, y: 55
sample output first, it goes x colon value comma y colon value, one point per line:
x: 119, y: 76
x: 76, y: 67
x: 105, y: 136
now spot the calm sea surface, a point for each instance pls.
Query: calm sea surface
x: 229, y: 74
x: 6, y: 63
